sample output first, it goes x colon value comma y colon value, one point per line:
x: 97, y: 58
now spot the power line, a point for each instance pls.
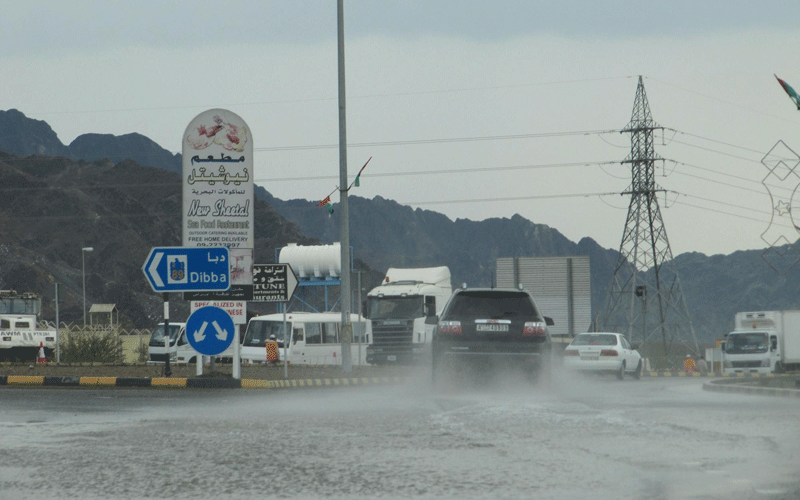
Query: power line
x: 334, y: 98
x: 440, y: 172
x: 441, y: 140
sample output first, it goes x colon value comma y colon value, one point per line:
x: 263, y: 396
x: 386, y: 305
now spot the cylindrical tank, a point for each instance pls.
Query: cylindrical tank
x: 318, y: 261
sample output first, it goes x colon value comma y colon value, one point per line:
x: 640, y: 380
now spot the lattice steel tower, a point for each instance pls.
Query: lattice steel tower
x: 644, y: 299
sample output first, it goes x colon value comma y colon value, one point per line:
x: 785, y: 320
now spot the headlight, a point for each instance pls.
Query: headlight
x: 173, y: 357
x: 765, y: 362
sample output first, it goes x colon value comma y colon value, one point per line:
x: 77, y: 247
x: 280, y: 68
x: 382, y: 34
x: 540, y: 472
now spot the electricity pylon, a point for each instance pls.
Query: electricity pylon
x: 645, y: 296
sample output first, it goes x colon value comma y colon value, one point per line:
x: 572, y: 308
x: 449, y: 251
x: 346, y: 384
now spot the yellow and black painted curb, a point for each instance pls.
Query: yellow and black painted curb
x: 711, y: 375
x: 199, y: 382
x: 739, y: 385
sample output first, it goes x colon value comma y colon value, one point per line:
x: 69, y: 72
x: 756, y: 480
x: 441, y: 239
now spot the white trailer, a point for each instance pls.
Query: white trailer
x: 763, y: 342
x: 20, y: 335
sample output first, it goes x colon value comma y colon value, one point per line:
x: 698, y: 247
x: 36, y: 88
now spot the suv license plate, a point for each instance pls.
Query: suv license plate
x: 391, y: 357
x: 491, y: 327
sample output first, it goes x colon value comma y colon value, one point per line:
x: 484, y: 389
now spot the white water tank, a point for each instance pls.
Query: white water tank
x: 318, y: 261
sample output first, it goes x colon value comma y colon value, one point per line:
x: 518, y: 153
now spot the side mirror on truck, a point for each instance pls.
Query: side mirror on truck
x: 431, y: 320
x: 548, y: 321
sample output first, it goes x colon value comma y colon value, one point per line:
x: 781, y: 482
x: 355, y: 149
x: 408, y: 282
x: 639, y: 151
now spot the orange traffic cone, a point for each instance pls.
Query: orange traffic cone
x: 42, y: 360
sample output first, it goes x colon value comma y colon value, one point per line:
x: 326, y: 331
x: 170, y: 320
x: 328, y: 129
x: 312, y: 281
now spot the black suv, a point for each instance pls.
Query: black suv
x: 491, y: 327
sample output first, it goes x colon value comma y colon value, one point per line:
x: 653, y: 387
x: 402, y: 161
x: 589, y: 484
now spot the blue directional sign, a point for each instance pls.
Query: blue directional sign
x: 210, y: 330
x: 186, y: 269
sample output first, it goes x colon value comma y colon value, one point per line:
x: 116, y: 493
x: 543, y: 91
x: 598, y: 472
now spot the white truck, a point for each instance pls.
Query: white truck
x: 178, y: 345
x: 763, y: 342
x: 20, y: 335
x: 397, y: 310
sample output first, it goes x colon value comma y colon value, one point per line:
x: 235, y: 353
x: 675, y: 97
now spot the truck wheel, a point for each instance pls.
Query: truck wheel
x: 779, y: 368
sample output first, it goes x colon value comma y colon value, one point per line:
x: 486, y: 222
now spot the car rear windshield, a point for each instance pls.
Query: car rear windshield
x: 492, y: 304
x: 595, y: 339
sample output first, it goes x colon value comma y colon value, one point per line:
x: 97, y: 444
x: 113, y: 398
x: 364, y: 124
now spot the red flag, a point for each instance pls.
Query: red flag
x: 325, y: 201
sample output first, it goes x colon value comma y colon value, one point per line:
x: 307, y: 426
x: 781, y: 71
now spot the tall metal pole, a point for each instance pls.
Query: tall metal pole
x: 347, y: 327
x: 58, y: 333
x: 83, y: 273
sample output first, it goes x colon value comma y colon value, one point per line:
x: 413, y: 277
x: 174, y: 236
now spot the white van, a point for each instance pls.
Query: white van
x: 315, y: 338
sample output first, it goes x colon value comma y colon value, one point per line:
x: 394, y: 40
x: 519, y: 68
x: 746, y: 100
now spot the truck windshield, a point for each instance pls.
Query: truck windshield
x: 258, y: 332
x: 746, y: 343
x: 396, y: 307
x: 158, y: 334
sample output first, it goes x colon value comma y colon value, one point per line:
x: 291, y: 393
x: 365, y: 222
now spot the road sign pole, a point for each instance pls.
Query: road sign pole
x: 167, y: 371
x: 287, y: 337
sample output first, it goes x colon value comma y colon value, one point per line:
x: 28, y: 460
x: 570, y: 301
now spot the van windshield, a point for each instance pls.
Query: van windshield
x: 158, y: 334
x: 746, y: 343
x: 258, y: 332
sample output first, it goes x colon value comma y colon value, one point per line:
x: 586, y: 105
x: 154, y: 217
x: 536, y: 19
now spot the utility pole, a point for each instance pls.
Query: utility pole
x: 344, y: 229
x: 645, y: 263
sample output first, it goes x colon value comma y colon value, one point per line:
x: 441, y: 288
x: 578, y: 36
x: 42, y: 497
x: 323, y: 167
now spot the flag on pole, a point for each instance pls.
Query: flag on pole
x: 325, y: 202
x: 357, y: 182
x: 789, y: 90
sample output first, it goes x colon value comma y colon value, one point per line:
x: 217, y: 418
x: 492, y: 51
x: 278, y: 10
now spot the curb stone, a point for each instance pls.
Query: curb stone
x: 191, y: 383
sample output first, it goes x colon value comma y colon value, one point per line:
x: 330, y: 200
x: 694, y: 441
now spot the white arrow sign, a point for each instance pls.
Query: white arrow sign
x: 221, y: 334
x: 153, y: 269
x: 199, y: 335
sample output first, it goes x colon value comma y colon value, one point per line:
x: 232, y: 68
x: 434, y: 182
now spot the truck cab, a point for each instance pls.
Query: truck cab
x: 179, y: 349
x: 397, y: 310
x: 760, y: 342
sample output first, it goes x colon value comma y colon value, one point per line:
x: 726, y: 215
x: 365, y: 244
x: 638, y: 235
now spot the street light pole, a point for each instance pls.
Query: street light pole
x: 83, y: 272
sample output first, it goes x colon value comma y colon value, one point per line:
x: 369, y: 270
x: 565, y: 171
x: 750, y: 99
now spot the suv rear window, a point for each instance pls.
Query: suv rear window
x: 492, y: 304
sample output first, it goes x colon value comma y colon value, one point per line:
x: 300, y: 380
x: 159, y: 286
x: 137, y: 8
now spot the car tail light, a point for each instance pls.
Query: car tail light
x: 533, y: 329
x: 571, y: 352
x: 450, y: 327
x: 608, y: 352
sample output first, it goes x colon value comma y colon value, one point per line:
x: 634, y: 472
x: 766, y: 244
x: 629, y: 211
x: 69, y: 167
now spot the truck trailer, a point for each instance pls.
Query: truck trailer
x: 20, y: 334
x: 763, y: 342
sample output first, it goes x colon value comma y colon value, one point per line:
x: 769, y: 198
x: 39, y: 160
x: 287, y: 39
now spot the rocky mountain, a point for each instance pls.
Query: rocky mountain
x: 55, y: 204
x: 24, y: 136
x: 52, y: 207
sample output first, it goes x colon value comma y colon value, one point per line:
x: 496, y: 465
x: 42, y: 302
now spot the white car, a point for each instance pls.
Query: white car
x: 603, y: 352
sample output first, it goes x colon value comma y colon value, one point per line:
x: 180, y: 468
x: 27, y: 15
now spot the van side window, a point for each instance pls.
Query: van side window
x: 22, y: 325
x: 330, y: 333
x: 313, y: 333
x: 297, y: 334
x: 5, y: 324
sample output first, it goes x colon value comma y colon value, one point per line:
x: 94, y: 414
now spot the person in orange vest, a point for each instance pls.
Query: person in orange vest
x: 42, y: 357
x: 688, y: 365
x: 272, y: 350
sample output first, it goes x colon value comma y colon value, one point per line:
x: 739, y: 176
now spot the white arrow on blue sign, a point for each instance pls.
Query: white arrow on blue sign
x: 188, y: 269
x: 210, y: 330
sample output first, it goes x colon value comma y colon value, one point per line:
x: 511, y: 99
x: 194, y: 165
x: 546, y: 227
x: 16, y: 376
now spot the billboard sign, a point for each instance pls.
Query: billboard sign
x: 217, y: 148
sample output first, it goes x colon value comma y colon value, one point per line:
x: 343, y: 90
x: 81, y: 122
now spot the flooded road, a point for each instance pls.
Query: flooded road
x: 650, y: 439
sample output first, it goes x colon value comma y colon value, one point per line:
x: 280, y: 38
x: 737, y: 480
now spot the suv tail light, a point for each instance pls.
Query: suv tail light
x: 608, y: 352
x: 533, y: 329
x: 450, y: 327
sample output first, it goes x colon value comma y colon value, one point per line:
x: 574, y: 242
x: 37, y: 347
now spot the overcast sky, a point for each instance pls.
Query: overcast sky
x: 474, y: 109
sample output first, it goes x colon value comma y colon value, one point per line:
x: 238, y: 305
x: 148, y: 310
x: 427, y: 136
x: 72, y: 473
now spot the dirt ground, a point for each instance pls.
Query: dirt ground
x: 263, y: 372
